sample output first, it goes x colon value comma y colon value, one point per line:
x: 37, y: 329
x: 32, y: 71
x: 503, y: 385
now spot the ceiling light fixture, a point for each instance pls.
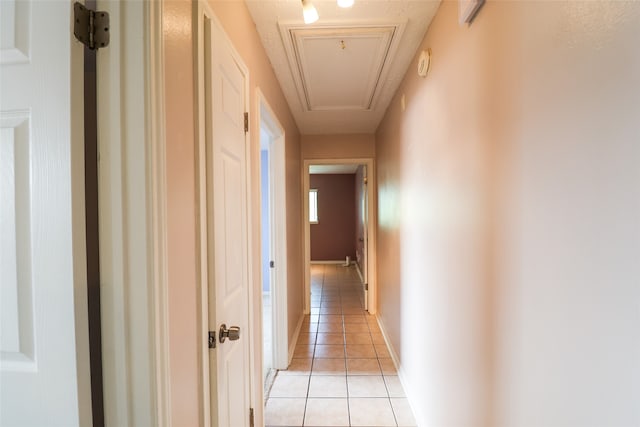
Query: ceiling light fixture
x: 345, y: 3
x: 309, y: 12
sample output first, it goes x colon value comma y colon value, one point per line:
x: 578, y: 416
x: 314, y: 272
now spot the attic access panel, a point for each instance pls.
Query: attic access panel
x: 340, y: 68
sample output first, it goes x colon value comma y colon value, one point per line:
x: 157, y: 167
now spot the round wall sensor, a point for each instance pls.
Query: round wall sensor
x: 424, y: 62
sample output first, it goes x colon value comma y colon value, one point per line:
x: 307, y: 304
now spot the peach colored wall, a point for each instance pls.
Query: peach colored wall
x: 346, y: 146
x: 509, y: 198
x: 239, y: 25
x: 181, y: 212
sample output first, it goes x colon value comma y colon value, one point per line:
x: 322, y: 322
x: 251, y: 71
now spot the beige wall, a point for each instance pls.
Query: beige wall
x: 356, y: 146
x: 179, y: 39
x: 509, y: 198
x: 181, y: 212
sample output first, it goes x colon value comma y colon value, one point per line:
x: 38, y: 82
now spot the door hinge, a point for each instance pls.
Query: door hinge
x: 212, y: 339
x: 366, y: 286
x: 251, y: 420
x: 246, y: 122
x: 91, y: 27
x: 272, y: 264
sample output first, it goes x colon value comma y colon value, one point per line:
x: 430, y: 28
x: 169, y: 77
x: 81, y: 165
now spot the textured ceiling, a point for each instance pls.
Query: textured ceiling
x: 275, y: 20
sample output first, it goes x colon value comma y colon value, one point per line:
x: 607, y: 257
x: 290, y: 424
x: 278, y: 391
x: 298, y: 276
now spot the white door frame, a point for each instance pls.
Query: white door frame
x: 278, y: 220
x: 202, y: 10
x: 371, y: 236
x: 132, y: 187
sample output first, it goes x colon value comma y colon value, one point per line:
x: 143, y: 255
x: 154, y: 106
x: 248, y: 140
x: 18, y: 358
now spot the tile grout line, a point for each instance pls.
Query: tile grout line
x: 346, y: 364
x: 313, y: 357
x: 341, y: 290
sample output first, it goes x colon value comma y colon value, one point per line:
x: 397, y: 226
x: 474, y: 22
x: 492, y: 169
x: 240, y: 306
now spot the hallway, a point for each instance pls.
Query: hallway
x: 341, y: 373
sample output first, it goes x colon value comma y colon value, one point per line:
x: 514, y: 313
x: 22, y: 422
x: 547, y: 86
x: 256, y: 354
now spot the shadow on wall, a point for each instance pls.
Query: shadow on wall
x: 508, y: 218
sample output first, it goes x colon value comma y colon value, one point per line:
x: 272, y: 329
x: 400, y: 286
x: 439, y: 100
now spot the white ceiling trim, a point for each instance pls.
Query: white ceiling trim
x: 268, y: 14
x: 295, y: 38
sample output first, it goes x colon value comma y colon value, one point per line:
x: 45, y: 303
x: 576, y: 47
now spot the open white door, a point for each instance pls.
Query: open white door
x: 225, y: 80
x: 43, y: 337
x: 277, y: 230
x: 365, y: 235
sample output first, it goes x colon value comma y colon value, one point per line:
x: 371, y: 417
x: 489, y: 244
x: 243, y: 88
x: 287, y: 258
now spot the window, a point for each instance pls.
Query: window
x: 313, y: 206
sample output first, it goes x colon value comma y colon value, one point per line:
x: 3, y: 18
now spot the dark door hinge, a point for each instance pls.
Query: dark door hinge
x: 90, y: 27
x: 212, y: 339
x: 246, y: 122
x: 366, y: 286
x: 251, y: 418
x: 272, y: 264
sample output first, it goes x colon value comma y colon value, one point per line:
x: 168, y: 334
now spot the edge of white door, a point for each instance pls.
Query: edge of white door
x: 44, y: 357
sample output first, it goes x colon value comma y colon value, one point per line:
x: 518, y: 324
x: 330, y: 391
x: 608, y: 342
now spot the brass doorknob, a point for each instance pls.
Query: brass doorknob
x: 233, y: 333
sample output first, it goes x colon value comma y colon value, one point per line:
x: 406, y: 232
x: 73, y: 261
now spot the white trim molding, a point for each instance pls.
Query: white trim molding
x: 294, y: 341
x: 359, y: 272
x: 158, y: 202
x: 402, y: 376
x: 278, y: 214
x: 132, y: 191
x: 334, y: 261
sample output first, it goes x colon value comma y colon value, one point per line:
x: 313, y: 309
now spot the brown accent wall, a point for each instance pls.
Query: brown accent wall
x: 333, y: 237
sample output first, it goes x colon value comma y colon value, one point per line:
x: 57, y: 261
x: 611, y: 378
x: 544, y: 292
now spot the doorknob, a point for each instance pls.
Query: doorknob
x: 233, y: 333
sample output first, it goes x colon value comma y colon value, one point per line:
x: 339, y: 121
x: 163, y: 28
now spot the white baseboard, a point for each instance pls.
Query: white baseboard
x: 359, y: 272
x: 402, y: 376
x: 327, y: 262
x: 268, y: 383
x: 392, y: 351
x: 294, y: 341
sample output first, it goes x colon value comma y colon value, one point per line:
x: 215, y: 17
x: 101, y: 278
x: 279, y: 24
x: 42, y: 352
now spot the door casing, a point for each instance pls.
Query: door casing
x: 267, y: 118
x: 133, y: 223
x: 371, y: 235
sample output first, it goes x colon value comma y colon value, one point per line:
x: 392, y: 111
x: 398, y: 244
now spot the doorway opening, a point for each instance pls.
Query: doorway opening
x: 265, y: 260
x: 273, y: 244
x: 339, y: 219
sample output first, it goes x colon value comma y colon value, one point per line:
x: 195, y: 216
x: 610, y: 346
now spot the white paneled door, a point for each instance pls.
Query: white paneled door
x: 226, y: 157
x: 365, y: 234
x: 39, y: 374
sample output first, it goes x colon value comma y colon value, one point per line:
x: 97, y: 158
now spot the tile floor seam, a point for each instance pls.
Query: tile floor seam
x: 306, y: 400
x: 389, y: 399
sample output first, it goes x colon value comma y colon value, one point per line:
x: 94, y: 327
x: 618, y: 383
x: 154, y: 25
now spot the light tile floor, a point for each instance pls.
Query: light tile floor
x: 341, y: 373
